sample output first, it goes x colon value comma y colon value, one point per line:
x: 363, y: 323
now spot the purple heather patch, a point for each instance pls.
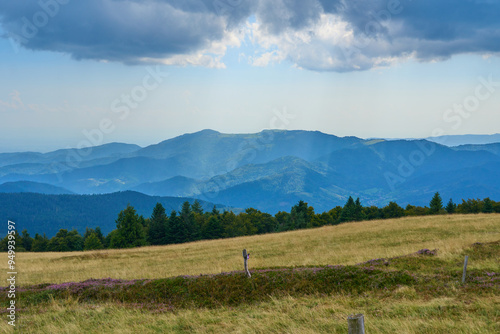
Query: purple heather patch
x: 426, y: 251
x: 104, y: 282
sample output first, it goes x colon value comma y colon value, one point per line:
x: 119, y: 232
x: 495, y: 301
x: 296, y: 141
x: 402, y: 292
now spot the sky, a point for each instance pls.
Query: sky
x: 78, y: 73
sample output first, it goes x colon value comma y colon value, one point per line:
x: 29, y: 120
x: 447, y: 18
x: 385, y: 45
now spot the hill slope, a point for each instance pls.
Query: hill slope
x: 308, y: 290
x: 339, y: 244
x: 48, y: 213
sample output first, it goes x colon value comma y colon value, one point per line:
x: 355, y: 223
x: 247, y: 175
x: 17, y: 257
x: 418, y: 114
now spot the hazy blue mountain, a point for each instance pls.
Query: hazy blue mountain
x: 175, y: 186
x: 270, y: 186
x: 279, y: 191
x: 29, y: 169
x: 360, y: 171
x: 427, y: 157
x: 19, y: 158
x: 40, y: 213
x: 32, y: 187
x: 251, y: 148
x: 254, y: 172
x: 105, y: 150
x: 201, y: 155
x: 121, y: 175
x: 69, y: 156
x: 268, y: 170
x: 472, y: 182
x: 208, y: 153
x: 366, y: 168
x: 492, y: 148
x: 457, y: 140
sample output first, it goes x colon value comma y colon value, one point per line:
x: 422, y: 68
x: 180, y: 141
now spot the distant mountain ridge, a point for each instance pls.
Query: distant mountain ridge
x: 72, y: 155
x: 32, y: 187
x: 492, y: 148
x: 458, y: 140
x: 270, y: 170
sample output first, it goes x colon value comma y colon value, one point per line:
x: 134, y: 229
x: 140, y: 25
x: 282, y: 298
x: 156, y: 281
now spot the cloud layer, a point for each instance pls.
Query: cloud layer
x: 321, y: 35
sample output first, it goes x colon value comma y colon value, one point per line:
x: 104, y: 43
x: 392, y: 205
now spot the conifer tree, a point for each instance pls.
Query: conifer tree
x: 192, y: 229
x: 27, y: 241
x: 358, y: 211
x: 348, y: 211
x: 196, y: 207
x: 436, y: 204
x: 487, y: 205
x: 213, y: 229
x: 215, y: 211
x: 300, y: 215
x: 157, y: 234
x: 99, y: 235
x: 177, y: 231
x: 451, y: 207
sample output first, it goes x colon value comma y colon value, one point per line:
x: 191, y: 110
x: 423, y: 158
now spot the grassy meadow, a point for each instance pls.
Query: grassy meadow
x: 348, y: 243
x: 412, y: 294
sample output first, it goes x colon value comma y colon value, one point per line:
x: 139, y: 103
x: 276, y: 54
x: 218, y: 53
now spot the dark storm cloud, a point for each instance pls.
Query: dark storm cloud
x: 117, y: 30
x: 279, y: 15
x: 132, y: 31
x: 429, y: 27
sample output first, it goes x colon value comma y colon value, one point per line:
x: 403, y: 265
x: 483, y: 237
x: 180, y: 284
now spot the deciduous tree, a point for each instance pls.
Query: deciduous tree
x: 129, y: 230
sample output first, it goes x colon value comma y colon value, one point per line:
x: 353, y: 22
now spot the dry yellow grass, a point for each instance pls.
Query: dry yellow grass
x: 343, y: 244
x: 304, y: 315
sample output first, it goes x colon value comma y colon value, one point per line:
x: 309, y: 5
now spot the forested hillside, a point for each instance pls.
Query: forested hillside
x: 192, y: 223
x: 48, y: 214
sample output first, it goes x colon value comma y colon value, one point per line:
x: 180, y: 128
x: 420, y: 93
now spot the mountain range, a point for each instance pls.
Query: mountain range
x: 270, y: 170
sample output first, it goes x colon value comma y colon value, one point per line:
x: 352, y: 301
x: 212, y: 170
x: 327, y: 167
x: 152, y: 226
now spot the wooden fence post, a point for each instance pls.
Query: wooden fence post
x: 356, y: 324
x: 465, y: 269
x: 245, y: 260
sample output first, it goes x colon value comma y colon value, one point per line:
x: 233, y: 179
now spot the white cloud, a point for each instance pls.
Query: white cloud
x: 210, y: 57
x: 267, y: 58
x: 327, y: 44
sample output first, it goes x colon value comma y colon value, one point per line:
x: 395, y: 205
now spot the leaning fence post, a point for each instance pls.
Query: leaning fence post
x: 356, y: 324
x: 465, y: 269
x: 245, y: 260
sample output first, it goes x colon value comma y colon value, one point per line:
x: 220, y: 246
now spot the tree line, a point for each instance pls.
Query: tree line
x: 192, y: 223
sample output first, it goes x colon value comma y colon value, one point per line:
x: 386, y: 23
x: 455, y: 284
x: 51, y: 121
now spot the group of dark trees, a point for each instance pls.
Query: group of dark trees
x: 191, y: 223
x: 63, y: 241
